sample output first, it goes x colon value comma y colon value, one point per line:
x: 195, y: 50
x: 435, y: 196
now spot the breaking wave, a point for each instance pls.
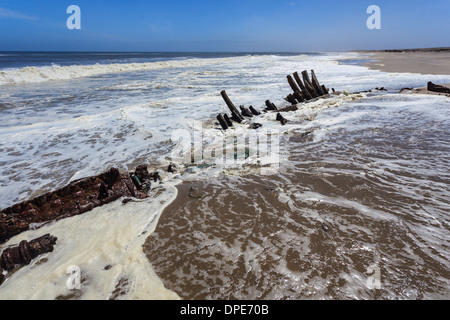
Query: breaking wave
x: 56, y: 72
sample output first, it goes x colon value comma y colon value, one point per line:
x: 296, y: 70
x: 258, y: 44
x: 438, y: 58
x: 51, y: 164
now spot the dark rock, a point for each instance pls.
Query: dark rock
x: 172, y: 168
x: 255, y: 125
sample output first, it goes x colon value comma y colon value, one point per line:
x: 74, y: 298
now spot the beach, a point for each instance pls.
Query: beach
x: 350, y: 203
x: 424, y: 61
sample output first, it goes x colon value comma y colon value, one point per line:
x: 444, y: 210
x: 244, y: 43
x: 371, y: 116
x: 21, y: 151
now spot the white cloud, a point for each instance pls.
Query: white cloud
x: 6, y: 13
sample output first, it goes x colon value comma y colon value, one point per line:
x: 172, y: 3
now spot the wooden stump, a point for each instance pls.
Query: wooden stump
x: 305, y: 93
x: 437, y: 88
x: 254, y: 111
x: 281, y: 119
x: 228, y: 120
x: 308, y: 84
x: 270, y: 106
x: 222, y: 122
x: 245, y: 112
x: 234, y: 111
x: 299, y: 97
x: 316, y: 84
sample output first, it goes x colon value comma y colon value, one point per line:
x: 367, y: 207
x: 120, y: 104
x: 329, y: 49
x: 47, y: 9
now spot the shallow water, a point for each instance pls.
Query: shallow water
x: 368, y: 192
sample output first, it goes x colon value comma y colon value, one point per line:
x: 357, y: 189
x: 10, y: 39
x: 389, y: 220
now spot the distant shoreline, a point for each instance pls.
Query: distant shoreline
x: 440, y: 49
x: 433, y: 61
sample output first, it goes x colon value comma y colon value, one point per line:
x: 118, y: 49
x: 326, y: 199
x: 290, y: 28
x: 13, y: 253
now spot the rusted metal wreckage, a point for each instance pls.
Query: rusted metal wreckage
x: 76, y: 198
x: 304, y: 89
x: 23, y: 253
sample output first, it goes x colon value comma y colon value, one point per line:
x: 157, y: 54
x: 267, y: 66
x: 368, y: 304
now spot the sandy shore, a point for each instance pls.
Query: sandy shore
x: 424, y: 61
x: 434, y: 61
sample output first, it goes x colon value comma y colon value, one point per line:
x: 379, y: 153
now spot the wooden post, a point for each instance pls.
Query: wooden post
x: 308, y: 84
x: 437, y: 88
x: 222, y: 122
x: 236, y: 117
x: 291, y: 98
x: 316, y: 84
x: 246, y: 112
x: 254, y: 111
x: 231, y: 106
x: 270, y: 106
x: 304, y: 91
x: 299, y: 97
x: 227, y: 120
x: 281, y: 119
x: 293, y: 85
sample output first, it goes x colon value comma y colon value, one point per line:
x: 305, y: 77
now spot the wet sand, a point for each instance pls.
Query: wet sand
x: 313, y: 231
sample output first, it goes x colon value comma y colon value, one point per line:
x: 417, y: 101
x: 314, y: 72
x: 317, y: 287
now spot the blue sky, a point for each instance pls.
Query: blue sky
x: 231, y: 25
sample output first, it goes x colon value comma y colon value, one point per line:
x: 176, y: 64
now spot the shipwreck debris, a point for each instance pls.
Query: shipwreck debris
x: 281, y: 119
x: 172, y: 168
x: 270, y: 106
x: 437, y: 88
x: 25, y: 252
x: 76, y: 198
x: 304, y: 89
x: 222, y: 122
x: 235, y: 114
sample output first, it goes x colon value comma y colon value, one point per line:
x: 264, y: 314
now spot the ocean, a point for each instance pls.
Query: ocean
x: 348, y: 200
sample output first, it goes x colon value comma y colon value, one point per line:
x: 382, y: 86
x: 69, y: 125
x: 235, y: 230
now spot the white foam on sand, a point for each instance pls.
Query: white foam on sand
x: 105, y: 245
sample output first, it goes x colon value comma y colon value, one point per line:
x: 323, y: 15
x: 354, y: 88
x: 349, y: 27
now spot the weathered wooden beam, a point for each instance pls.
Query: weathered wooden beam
x: 308, y: 84
x: 290, y: 108
x: 437, y: 88
x: 316, y: 84
x: 222, y: 122
x: 305, y: 93
x: 254, y: 111
x: 292, y: 83
x: 299, y: 96
x: 290, y: 98
x: 281, y: 119
x: 231, y: 106
x: 270, y: 106
x: 237, y: 118
x: 324, y: 89
x: 245, y: 112
x: 227, y: 120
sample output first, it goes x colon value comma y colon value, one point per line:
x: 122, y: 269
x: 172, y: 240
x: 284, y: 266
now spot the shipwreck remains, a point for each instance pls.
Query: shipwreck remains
x: 76, y: 198
x: 437, y: 88
x: 24, y: 253
x: 304, y: 89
